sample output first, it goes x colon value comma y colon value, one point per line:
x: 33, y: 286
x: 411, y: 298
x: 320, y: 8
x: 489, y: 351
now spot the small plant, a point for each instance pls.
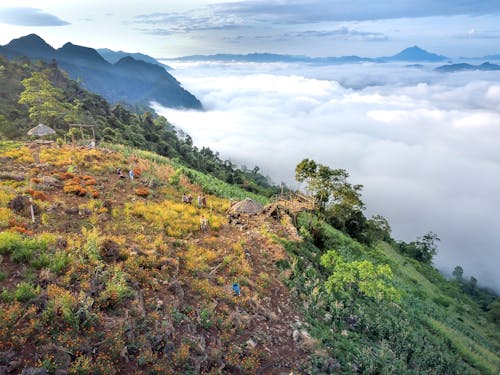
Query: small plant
x: 25, y: 291
x: 142, y: 192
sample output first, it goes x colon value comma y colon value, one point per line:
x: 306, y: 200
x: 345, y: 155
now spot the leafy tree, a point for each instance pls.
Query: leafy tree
x: 423, y: 249
x: 458, y: 273
x: 360, y: 276
x: 328, y: 186
x: 378, y: 229
x: 44, y: 101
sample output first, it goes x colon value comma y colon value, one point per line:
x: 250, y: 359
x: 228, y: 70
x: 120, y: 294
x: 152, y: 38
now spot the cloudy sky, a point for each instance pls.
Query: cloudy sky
x: 169, y: 28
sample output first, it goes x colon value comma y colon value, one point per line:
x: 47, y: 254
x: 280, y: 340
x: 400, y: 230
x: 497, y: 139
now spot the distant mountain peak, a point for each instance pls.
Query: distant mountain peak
x: 415, y: 53
x: 74, y: 51
x: 31, y: 42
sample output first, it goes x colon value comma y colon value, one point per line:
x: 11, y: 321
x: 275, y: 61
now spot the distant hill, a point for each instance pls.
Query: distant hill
x: 414, y: 54
x: 411, y: 54
x: 135, y: 82
x: 451, y: 68
x: 114, y: 56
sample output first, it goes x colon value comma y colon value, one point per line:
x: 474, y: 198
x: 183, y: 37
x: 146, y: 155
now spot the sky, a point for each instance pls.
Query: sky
x: 170, y: 28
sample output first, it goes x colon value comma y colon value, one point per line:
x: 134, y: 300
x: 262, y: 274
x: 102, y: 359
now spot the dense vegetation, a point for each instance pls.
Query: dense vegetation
x: 34, y: 93
x: 376, y: 310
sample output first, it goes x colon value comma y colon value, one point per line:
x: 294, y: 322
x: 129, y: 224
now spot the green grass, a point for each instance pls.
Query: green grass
x: 9, y: 145
x: 472, y: 352
x: 406, y: 273
x: 209, y: 184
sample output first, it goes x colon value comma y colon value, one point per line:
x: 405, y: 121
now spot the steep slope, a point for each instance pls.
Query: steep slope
x: 115, y: 273
x: 109, y: 80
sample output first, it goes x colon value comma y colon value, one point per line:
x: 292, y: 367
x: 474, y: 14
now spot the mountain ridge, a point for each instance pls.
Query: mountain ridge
x: 410, y: 54
x: 114, y: 56
x: 109, y: 80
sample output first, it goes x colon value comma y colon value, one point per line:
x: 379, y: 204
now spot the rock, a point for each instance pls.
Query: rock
x: 176, y: 288
x: 15, y: 365
x: 49, y: 182
x: 110, y: 250
x: 34, y: 371
x: 71, y: 211
x: 296, y: 335
x: 11, y: 176
x: 251, y: 344
x: 21, y: 204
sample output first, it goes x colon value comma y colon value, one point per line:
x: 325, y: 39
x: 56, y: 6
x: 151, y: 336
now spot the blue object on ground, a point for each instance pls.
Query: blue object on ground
x: 236, y: 288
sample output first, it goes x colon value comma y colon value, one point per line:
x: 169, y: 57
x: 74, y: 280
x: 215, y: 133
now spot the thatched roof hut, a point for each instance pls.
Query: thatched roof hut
x: 41, y: 130
x: 247, y: 206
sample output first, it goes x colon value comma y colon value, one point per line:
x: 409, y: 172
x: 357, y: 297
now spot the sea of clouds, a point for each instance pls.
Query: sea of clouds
x: 425, y: 145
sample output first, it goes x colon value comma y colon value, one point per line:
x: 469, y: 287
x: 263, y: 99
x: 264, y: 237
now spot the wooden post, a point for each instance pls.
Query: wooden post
x: 32, y: 210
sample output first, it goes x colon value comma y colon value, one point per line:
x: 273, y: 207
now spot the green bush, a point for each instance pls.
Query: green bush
x: 10, y: 241
x: 25, y: 291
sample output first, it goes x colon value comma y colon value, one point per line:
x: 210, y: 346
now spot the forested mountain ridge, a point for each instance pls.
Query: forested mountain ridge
x: 113, y: 275
x: 136, y: 82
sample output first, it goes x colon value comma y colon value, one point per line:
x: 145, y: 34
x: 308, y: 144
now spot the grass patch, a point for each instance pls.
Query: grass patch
x: 473, y: 353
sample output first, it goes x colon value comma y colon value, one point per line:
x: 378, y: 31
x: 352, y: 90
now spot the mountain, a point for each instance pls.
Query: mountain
x: 30, y: 45
x: 461, y: 67
x: 413, y: 54
x: 114, y: 56
x: 135, y: 82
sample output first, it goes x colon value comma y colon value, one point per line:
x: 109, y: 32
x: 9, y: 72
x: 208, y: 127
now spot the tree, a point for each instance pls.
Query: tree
x: 423, y: 249
x: 458, y: 273
x: 358, y: 277
x: 44, y: 101
x: 328, y: 186
x: 379, y: 228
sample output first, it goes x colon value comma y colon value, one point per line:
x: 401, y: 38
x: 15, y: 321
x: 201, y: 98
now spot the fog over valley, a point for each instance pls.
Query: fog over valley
x: 424, y: 144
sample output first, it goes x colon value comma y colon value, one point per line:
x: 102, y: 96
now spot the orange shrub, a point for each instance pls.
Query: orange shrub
x: 36, y: 194
x: 142, y: 192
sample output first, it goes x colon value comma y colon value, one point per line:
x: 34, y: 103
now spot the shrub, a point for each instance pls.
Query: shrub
x: 25, y: 291
x: 10, y: 241
x: 142, y: 192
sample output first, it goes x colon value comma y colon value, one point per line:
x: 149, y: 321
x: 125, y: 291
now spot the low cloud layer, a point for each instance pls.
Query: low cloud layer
x: 426, y: 150
x: 20, y: 16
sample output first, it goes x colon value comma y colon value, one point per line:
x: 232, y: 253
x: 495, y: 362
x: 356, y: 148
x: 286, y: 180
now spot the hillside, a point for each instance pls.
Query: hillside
x: 134, y: 81
x: 115, y: 275
x: 65, y: 102
x: 114, y: 270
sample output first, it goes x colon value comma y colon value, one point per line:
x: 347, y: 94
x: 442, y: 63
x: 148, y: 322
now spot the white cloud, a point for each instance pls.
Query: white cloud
x: 426, y: 150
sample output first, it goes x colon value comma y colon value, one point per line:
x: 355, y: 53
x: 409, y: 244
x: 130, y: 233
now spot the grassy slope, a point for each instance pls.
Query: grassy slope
x: 459, y: 338
x: 113, y: 279
x: 128, y: 283
x: 466, y: 330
